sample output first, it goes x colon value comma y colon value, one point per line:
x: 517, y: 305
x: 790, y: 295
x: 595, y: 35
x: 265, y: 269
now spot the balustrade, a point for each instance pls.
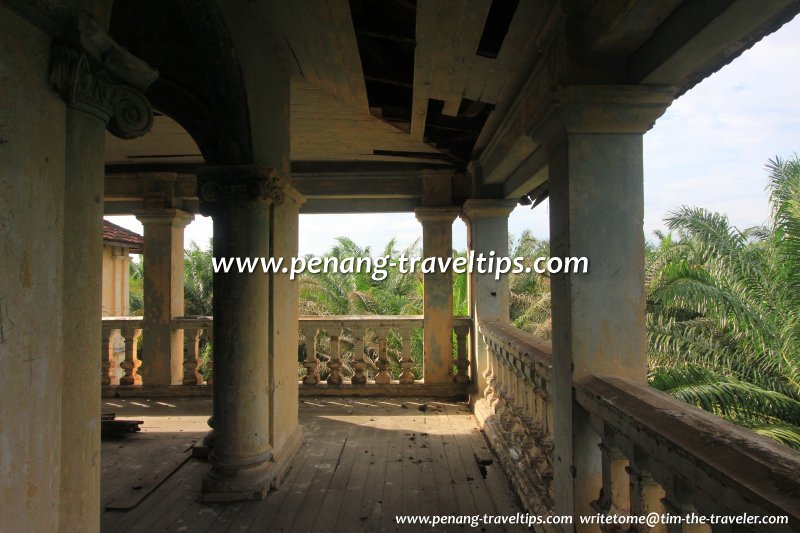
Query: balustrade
x: 357, y: 350
x: 516, y: 412
x: 660, y: 455
x: 125, y: 372
x: 349, y: 350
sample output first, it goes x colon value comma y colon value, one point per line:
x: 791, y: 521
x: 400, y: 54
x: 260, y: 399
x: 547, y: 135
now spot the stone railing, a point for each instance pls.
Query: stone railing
x: 371, y: 358
x: 661, y: 455
x: 321, y: 343
x: 119, y: 359
x: 516, y: 413
x: 194, y: 329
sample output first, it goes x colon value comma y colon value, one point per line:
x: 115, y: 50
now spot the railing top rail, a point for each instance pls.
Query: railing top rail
x: 347, y: 321
x: 754, y: 466
x: 119, y: 322
x: 189, y: 322
x: 518, y: 341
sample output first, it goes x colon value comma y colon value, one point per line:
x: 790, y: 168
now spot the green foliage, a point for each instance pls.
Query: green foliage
x: 722, y: 308
x: 136, y: 288
x: 530, y: 292
x: 357, y: 293
x: 198, y: 280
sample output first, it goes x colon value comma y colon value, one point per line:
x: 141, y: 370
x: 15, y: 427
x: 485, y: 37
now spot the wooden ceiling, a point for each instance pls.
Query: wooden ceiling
x: 433, y: 82
x: 372, y: 80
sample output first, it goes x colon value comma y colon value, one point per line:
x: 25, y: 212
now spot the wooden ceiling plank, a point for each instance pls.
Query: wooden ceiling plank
x: 472, y: 22
x: 427, y: 14
x: 286, y: 21
x: 478, y: 71
x: 315, y: 25
x: 348, y: 52
x: 446, y: 39
x: 519, y: 35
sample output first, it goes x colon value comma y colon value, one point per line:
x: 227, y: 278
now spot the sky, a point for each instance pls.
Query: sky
x: 707, y: 150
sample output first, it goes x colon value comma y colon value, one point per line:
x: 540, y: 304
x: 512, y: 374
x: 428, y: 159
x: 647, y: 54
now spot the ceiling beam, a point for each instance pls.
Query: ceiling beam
x: 699, y: 38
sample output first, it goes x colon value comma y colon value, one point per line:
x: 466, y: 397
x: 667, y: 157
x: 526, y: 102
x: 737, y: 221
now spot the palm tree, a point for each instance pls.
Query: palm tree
x: 136, y: 288
x: 530, y: 292
x: 198, y: 280
x: 723, y: 320
x: 358, y: 293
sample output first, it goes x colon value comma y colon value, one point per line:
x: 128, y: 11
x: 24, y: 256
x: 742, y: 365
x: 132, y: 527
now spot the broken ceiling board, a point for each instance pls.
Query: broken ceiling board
x: 348, y: 55
x: 523, y: 31
x: 478, y: 71
x: 321, y: 41
x: 327, y: 129
x: 472, y: 19
x: 428, y: 14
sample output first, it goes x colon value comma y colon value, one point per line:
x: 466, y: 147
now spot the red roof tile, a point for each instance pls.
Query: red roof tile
x: 116, y: 234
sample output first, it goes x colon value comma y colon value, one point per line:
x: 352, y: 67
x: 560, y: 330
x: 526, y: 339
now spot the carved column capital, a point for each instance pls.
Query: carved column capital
x: 92, y: 88
x: 231, y: 186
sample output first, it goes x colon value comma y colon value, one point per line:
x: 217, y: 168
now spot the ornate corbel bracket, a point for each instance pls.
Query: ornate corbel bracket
x: 233, y: 186
x: 93, y: 89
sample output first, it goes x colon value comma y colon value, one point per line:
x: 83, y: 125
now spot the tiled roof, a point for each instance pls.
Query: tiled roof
x: 117, y: 234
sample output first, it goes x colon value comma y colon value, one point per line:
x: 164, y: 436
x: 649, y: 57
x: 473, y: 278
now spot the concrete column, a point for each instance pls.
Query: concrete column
x: 32, y: 309
x: 596, y: 211
x: 83, y: 249
x: 487, y: 231
x: 240, y: 199
x: 51, y: 200
x: 162, y: 349
x: 285, y: 429
x: 437, y: 241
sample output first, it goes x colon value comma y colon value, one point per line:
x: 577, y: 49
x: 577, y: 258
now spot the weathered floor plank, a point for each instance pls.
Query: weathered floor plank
x: 362, y: 463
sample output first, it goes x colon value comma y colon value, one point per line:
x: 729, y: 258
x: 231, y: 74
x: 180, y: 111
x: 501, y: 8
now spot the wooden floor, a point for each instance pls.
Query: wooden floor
x: 362, y: 462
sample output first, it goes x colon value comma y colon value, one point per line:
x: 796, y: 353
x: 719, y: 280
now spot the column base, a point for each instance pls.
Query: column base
x: 232, y: 483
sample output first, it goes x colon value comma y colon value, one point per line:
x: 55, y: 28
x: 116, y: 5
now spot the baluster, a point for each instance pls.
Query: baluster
x: 615, y: 495
x: 191, y: 356
x: 311, y: 363
x: 490, y: 393
x: 462, y: 359
x: 359, y: 365
x: 383, y: 376
x: 646, y: 496
x: 108, y: 360
x: 209, y: 331
x: 407, y: 362
x: 131, y: 363
x: 335, y: 363
x: 679, y: 500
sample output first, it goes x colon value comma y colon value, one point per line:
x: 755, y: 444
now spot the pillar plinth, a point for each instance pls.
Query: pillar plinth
x: 240, y: 199
x: 437, y: 241
x: 162, y: 253
x: 487, y: 231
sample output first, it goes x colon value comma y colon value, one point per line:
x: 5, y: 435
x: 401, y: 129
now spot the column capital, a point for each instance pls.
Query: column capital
x: 427, y: 215
x: 236, y: 185
x: 102, y: 90
x: 475, y: 208
x: 611, y: 108
x: 175, y: 217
